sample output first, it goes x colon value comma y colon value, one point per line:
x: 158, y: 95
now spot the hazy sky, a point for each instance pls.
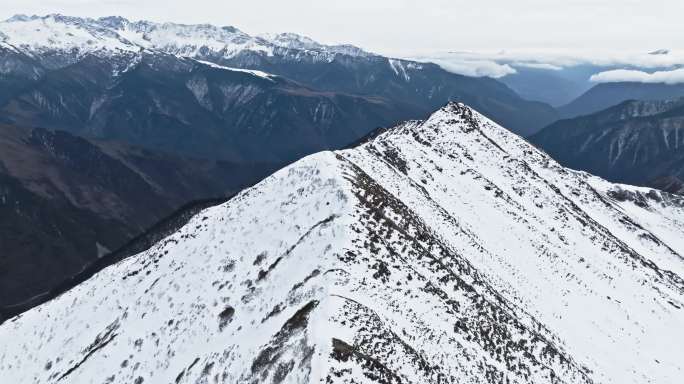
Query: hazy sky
x: 402, y: 27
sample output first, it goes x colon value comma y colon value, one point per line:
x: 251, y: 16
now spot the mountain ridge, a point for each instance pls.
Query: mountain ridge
x: 66, y: 202
x: 635, y: 142
x: 233, y: 114
x: 606, y: 95
x: 426, y: 254
x: 116, y: 33
x: 57, y: 41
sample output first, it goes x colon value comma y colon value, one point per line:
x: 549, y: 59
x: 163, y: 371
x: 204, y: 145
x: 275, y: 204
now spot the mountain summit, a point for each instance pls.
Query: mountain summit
x: 444, y: 250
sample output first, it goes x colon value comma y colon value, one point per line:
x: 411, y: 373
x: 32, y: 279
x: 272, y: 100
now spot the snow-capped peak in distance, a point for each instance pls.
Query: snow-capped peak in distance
x: 20, y: 17
x: 295, y: 41
x: 447, y: 250
x: 80, y: 36
x: 291, y: 40
x: 34, y: 35
x: 186, y: 40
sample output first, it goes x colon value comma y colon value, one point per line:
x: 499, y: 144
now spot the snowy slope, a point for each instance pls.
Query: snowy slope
x: 448, y: 250
x: 252, y: 72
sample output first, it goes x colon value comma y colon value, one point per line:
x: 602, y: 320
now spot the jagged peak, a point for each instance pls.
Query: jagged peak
x: 61, y: 17
x: 120, y: 22
x: 62, y: 32
x: 445, y: 123
x: 296, y: 41
x: 289, y: 36
x: 451, y: 119
x: 113, y: 21
x: 19, y: 17
x: 458, y: 108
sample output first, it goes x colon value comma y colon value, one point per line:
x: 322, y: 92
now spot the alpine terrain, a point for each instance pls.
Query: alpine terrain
x: 66, y: 202
x: 606, y: 95
x: 221, y: 92
x: 109, y: 125
x: 635, y: 142
x: 439, y: 251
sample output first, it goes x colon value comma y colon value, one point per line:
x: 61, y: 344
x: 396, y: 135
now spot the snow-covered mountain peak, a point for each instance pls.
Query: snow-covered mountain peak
x: 444, y: 250
x: 291, y: 40
x: 114, y: 22
x: 296, y: 41
x: 187, y: 40
x: 71, y: 38
x: 55, y: 34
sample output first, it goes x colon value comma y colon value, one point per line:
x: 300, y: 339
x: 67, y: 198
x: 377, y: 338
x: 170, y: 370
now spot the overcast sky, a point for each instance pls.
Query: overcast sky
x: 402, y: 27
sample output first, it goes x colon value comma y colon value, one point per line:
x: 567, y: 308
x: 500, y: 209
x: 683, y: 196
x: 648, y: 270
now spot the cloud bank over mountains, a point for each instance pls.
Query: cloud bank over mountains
x: 658, y: 66
x: 624, y: 75
x: 469, y: 66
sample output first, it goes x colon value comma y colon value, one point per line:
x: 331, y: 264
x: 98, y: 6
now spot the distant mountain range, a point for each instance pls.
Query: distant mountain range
x: 606, y: 95
x: 116, y: 50
x: 200, y: 109
x: 440, y: 251
x: 635, y: 142
x: 66, y: 201
x: 558, y: 79
x: 556, y: 86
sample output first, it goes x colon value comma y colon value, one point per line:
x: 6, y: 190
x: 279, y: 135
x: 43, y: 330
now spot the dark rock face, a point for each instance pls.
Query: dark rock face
x: 67, y: 201
x: 43, y: 241
x: 669, y: 184
x: 425, y: 86
x: 334, y: 95
x: 181, y: 106
x: 636, y: 142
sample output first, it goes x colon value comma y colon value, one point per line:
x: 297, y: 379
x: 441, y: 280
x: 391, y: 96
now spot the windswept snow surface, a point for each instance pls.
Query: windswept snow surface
x: 443, y: 251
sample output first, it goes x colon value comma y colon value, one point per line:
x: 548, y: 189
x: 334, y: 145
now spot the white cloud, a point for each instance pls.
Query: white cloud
x: 470, y: 67
x: 546, y: 66
x: 624, y: 75
x: 501, y: 63
x: 640, y: 60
